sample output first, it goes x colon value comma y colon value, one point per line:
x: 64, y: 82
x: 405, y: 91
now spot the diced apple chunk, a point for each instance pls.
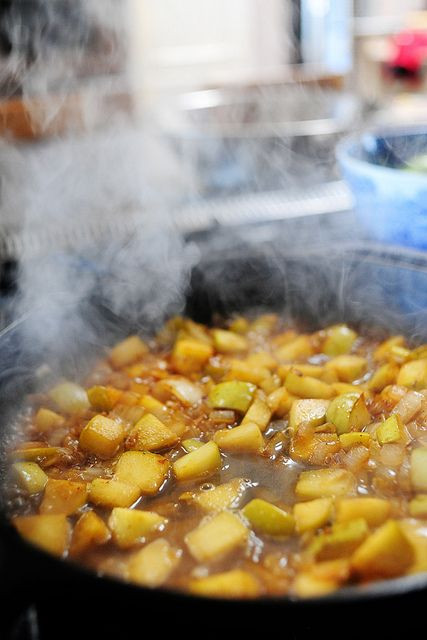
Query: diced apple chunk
x: 418, y: 506
x: 113, y: 493
x: 348, y: 367
x: 385, y: 553
x: 216, y: 538
x: 103, y: 398
x: 234, y: 394
x: 218, y: 498
x: 307, y: 386
x: 323, y: 483
x: 374, y: 510
x: 389, y: 431
x: 418, y: 472
x: 190, y: 355
x: 152, y: 565
x: 30, y: 476
x: 259, y: 412
x: 340, y: 542
x: 339, y: 339
x: 47, y: 420
x: 230, y: 584
x: 150, y: 434
x: 146, y: 470
x: 49, y: 532
x: 307, y: 585
x: 309, y: 411
x: 313, y: 514
x: 299, y: 347
x: 187, y: 392
x: 245, y: 371
x: 355, y: 438
x: 102, y: 437
x: 191, y: 444
x: 127, y: 351
x: 246, y: 438
x: 90, y: 530
x: 131, y: 526
x: 269, y: 519
x: 413, y: 374
x: 348, y: 412
x: 199, y: 463
x: 228, y: 341
x: 63, y: 496
x: 385, y: 375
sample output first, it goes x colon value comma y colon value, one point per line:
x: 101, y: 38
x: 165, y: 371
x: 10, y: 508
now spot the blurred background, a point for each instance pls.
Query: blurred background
x: 109, y: 108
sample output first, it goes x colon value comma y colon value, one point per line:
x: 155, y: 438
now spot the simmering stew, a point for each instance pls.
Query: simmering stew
x: 242, y: 461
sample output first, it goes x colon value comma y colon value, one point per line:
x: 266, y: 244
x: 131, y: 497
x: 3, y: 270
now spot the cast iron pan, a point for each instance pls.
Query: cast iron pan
x: 375, y: 290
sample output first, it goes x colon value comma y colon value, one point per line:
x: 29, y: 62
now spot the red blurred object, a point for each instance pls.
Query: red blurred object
x: 410, y: 51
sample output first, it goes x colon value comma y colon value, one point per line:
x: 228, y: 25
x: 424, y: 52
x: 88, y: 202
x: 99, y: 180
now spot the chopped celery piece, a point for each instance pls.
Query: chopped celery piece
x: 268, y: 519
x: 234, y: 394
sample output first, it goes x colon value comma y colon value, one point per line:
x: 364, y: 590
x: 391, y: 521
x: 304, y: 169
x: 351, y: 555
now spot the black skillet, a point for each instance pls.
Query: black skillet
x: 373, y: 289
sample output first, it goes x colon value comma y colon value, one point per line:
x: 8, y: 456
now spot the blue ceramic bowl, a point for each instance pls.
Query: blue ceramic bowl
x: 390, y: 199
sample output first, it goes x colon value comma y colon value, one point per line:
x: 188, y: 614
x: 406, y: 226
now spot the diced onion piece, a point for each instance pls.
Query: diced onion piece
x: 409, y: 405
x: 70, y: 397
x: 185, y: 391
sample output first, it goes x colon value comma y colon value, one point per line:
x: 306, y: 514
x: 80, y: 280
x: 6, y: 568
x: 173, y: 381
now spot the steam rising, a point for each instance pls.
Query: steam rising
x: 85, y: 182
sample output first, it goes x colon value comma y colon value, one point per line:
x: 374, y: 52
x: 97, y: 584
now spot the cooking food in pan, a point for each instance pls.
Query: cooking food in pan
x: 245, y: 460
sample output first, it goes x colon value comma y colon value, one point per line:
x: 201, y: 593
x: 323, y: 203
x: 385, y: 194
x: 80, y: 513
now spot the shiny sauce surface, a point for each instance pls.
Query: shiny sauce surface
x: 239, y: 461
